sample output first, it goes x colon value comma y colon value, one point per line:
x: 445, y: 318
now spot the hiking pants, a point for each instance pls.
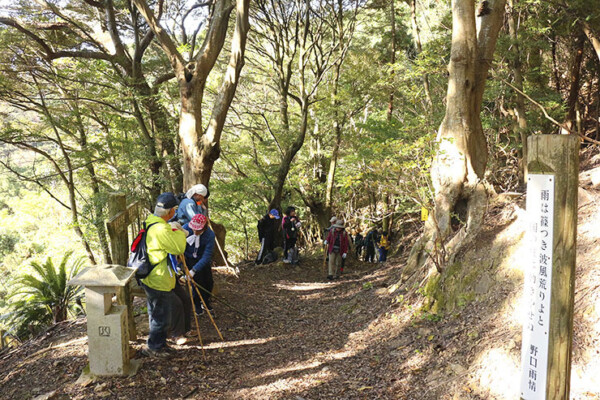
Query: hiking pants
x: 266, y: 246
x: 289, y: 244
x: 165, y: 312
x: 182, y: 292
x: 382, y: 254
x: 335, y: 261
x: 204, y: 278
x: 370, y: 254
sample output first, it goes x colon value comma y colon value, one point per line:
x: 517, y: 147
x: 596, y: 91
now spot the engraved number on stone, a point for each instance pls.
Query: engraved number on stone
x: 104, y: 330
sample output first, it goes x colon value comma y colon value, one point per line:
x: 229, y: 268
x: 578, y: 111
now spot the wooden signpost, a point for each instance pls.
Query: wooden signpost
x: 122, y: 217
x: 553, y: 167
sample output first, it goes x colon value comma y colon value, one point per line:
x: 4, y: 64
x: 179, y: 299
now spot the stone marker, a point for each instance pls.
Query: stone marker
x: 108, y: 335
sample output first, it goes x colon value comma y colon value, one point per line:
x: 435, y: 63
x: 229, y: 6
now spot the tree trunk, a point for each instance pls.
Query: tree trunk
x: 286, y: 161
x: 97, y: 205
x: 459, y: 164
x: 201, y: 147
x: 574, y: 78
x: 417, y: 34
x: 337, y: 129
x: 594, y: 40
x: 392, y: 59
x: 520, y: 125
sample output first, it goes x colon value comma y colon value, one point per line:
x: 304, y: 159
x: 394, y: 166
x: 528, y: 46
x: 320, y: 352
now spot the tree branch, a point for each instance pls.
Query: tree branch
x: 163, y: 37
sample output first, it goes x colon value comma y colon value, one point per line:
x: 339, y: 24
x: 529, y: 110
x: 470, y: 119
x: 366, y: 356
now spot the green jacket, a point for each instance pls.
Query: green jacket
x: 161, y: 240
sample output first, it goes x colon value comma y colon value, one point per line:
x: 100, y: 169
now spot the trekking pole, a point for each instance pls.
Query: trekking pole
x: 187, y: 273
x: 325, y: 259
x: 237, y: 271
x: 221, y: 300
x: 189, y: 285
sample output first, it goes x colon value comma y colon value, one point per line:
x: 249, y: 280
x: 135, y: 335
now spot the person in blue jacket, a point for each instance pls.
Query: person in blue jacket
x: 198, y: 258
x: 193, y: 203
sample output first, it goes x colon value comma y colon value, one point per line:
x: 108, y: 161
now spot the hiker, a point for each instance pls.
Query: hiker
x: 359, y: 243
x: 267, y: 226
x: 290, y: 225
x: 165, y: 308
x: 198, y: 258
x: 193, y: 203
x: 326, y: 233
x: 384, y: 246
x: 371, y: 241
x: 337, y: 248
x: 331, y: 223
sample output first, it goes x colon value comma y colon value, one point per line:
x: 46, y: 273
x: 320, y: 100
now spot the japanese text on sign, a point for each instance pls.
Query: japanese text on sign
x: 538, y: 279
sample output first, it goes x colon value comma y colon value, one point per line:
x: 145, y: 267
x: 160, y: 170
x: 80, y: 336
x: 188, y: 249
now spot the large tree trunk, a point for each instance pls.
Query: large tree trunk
x: 201, y: 147
x: 460, y: 162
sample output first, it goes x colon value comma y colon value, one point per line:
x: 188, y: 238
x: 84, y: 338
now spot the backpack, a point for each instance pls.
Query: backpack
x: 138, y: 259
x: 270, y: 258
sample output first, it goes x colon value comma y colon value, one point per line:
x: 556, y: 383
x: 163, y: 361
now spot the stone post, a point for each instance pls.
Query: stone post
x: 108, y: 334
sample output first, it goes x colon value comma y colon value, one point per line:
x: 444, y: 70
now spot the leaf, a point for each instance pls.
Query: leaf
x: 364, y: 388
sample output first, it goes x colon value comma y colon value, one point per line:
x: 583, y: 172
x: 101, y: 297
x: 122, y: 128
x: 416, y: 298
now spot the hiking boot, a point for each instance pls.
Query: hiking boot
x: 164, y: 352
x: 330, y: 277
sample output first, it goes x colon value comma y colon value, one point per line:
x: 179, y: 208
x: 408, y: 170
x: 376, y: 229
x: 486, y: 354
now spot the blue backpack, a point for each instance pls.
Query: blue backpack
x: 138, y: 259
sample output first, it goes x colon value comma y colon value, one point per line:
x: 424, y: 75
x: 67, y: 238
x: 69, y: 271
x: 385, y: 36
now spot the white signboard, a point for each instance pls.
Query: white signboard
x: 538, y: 279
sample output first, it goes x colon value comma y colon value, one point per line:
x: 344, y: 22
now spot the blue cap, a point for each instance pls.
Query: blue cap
x: 167, y: 201
x: 274, y: 213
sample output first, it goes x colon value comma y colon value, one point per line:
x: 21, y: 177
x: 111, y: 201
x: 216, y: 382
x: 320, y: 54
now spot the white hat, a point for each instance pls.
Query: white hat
x: 333, y: 219
x: 339, y: 224
x: 197, y: 189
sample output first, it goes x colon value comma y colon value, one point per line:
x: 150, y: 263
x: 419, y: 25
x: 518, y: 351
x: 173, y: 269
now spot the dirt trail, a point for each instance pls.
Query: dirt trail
x: 298, y: 344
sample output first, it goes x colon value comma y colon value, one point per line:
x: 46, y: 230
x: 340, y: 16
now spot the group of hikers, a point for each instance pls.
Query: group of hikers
x: 179, y: 247
x: 178, y: 239
x: 337, y: 241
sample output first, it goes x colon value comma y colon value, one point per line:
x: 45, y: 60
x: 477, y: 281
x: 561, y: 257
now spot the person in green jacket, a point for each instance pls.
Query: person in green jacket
x: 165, y: 308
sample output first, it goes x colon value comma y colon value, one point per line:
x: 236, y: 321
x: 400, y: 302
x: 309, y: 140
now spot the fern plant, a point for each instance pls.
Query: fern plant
x: 44, y: 297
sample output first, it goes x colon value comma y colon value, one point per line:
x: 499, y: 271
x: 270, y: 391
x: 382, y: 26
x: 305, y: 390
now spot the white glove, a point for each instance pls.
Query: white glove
x: 344, y: 255
x: 176, y: 225
x: 325, y: 242
x: 192, y: 273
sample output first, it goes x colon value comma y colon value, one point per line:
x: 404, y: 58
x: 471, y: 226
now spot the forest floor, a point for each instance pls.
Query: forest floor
x: 359, y: 337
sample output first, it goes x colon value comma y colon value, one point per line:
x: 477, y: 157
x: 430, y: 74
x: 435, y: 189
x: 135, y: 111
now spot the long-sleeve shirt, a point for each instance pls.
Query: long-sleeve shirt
x: 199, y: 249
x: 187, y: 209
x: 162, y: 240
x: 344, y: 243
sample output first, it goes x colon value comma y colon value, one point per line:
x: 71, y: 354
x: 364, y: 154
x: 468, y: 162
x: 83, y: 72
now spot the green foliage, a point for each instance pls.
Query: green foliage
x: 43, y: 297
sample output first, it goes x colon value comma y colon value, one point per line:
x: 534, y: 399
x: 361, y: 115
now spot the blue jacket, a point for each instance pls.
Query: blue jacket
x: 204, y: 250
x: 187, y: 209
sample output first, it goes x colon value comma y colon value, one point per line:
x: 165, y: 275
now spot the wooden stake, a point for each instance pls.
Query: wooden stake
x: 187, y: 273
x: 189, y: 285
x: 558, y: 155
x: 220, y: 249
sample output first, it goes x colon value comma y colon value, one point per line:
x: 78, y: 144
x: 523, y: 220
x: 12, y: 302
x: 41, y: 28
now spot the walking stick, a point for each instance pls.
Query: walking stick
x: 187, y: 273
x: 189, y: 278
x: 221, y: 300
x: 237, y: 271
x: 325, y: 259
